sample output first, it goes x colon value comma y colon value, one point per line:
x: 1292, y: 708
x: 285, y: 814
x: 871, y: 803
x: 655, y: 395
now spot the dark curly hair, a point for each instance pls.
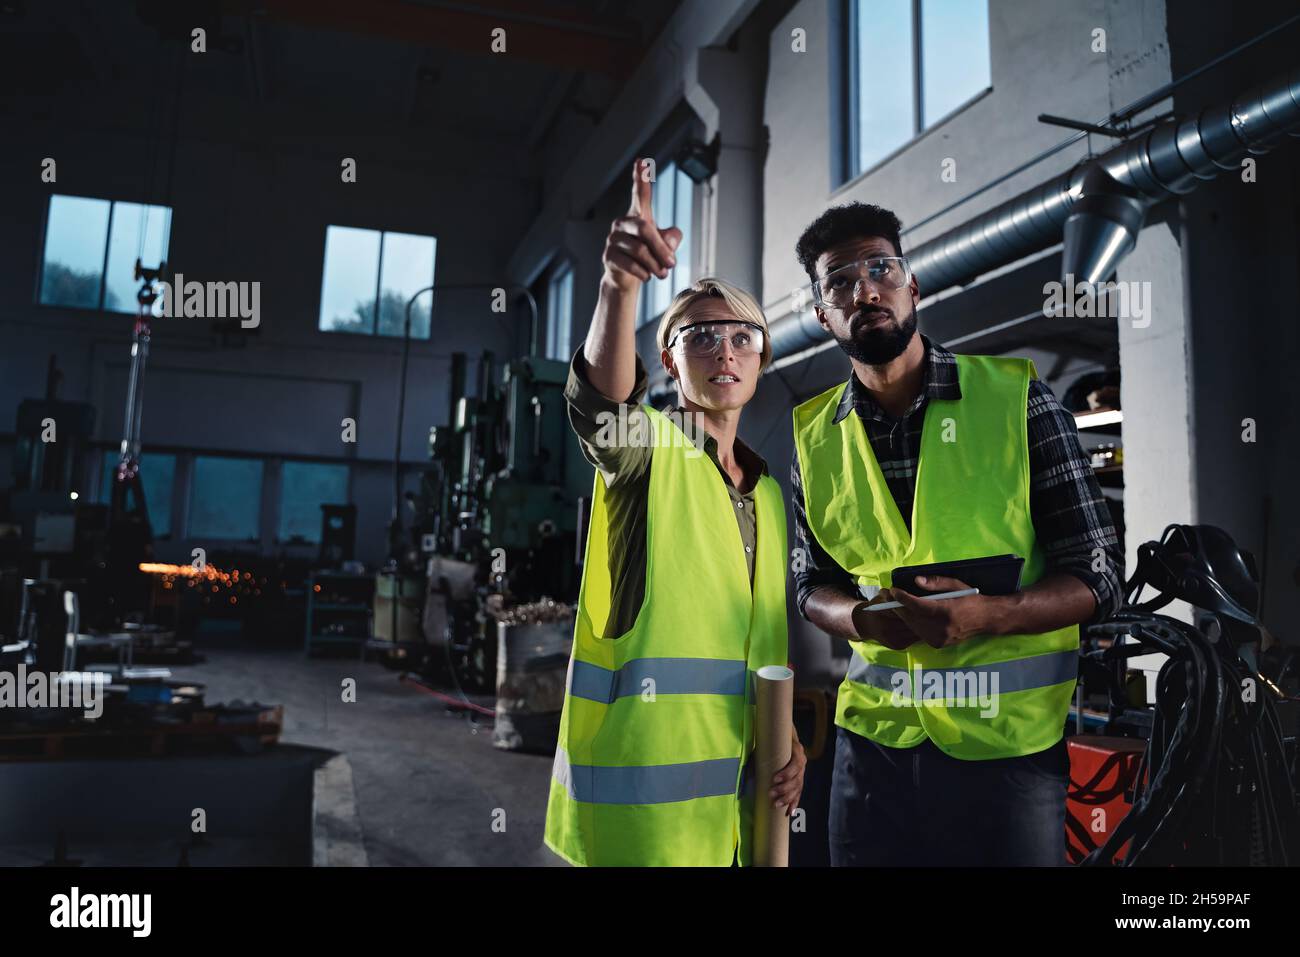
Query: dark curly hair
x: 842, y: 223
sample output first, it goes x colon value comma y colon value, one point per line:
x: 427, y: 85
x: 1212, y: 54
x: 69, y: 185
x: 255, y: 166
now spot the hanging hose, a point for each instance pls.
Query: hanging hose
x: 1214, y: 785
x: 1215, y: 763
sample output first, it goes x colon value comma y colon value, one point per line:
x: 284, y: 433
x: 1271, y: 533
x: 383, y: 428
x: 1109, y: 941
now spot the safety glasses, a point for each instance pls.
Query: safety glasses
x: 839, y: 286
x: 700, y: 339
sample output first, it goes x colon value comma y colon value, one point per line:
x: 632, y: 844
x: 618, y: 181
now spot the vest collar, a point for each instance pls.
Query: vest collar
x: 746, y: 456
x: 940, y: 382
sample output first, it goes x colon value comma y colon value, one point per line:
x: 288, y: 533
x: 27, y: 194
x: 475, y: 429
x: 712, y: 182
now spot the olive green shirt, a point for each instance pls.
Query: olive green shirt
x: 622, y: 454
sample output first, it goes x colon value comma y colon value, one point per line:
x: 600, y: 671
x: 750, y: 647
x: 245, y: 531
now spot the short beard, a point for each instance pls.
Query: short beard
x: 877, y: 347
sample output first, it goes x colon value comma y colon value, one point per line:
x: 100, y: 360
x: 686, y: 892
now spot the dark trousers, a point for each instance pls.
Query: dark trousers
x: 917, y: 806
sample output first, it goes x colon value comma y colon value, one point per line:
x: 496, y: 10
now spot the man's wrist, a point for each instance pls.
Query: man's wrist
x: 1000, y: 613
x: 854, y: 612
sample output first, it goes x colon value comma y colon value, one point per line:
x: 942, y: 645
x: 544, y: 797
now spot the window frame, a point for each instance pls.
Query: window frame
x: 108, y: 461
x: 846, y: 85
x: 108, y: 249
x: 279, y: 480
x: 562, y: 270
x: 374, y: 332
x: 180, y: 515
x: 193, y: 488
x: 644, y: 316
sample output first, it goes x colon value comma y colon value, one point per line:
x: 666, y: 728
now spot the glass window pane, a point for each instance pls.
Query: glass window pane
x: 408, y: 268
x: 158, y: 474
x: 566, y: 311
x: 682, y: 220
x: 882, y: 48
x: 655, y: 301
x: 138, y: 231
x: 75, y: 235
x: 658, y: 293
x: 551, y: 321
x: 665, y: 188
x: 347, y: 299
x: 304, y: 488
x: 954, y: 54
x: 226, y: 498
x: 559, y: 313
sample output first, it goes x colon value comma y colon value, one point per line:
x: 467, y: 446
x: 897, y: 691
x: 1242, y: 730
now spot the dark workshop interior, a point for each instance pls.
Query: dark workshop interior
x: 293, y: 514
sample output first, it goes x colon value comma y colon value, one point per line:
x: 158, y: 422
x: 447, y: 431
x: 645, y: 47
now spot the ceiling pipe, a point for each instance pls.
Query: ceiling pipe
x: 1102, y: 227
x: 1096, y: 208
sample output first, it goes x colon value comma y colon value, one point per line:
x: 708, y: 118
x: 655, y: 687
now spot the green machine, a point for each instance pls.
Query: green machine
x: 528, y: 503
x: 497, y: 516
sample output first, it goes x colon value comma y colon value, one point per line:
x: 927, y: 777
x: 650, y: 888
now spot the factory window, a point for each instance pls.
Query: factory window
x: 157, y: 474
x: 559, y: 313
x: 225, y: 498
x: 369, y: 276
x: 91, y: 246
x: 910, y: 64
x: 673, y: 193
x: 304, y: 488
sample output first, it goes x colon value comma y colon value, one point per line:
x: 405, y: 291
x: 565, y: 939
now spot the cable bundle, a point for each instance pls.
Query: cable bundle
x: 1214, y: 786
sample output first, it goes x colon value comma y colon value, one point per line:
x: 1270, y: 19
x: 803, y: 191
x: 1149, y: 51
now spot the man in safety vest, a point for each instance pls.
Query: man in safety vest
x: 951, y: 716
x: 683, y: 584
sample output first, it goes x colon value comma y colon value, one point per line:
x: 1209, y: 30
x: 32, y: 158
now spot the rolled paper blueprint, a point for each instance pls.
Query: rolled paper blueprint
x: 772, y: 744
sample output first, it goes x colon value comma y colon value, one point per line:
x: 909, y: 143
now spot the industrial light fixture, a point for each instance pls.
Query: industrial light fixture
x: 699, y: 160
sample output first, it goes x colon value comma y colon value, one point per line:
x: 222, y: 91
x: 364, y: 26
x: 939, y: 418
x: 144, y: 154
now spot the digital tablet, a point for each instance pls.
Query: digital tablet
x: 995, y: 575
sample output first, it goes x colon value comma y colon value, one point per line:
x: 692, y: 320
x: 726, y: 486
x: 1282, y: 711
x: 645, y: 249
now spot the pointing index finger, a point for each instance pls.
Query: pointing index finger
x: 642, y: 191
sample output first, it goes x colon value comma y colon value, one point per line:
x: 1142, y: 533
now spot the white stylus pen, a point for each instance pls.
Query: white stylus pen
x: 935, y: 597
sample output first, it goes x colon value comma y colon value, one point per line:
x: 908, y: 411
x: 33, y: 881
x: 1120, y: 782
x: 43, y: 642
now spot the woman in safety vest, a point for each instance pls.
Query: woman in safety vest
x: 683, y: 587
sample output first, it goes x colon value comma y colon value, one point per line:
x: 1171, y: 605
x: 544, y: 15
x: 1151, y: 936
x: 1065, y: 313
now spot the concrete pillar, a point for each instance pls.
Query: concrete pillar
x: 726, y: 91
x: 1155, y: 381
x: 1156, y: 394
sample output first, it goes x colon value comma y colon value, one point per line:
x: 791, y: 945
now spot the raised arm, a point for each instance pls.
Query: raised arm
x: 635, y: 250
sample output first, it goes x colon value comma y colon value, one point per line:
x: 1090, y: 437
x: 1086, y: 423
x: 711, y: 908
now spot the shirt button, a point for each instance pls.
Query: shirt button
x: 740, y: 505
x: 748, y: 549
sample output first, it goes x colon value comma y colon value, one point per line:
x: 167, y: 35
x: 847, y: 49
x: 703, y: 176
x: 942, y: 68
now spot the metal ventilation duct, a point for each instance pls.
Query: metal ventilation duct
x: 1098, y: 207
x: 1102, y: 227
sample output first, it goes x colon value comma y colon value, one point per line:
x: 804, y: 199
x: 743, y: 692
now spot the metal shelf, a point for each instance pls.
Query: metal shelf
x: 338, y: 611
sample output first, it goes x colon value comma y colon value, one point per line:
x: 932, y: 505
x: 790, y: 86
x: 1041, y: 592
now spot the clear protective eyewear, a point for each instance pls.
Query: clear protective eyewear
x: 702, y: 339
x: 839, y: 286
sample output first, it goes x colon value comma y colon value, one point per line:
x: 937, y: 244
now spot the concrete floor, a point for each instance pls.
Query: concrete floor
x: 427, y: 784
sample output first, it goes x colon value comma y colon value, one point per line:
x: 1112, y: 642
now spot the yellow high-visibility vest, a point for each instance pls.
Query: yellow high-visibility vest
x: 992, y: 696
x: 659, y: 721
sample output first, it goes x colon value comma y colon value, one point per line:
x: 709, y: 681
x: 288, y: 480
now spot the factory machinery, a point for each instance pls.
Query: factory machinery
x: 1208, y: 774
x: 78, y: 587
x: 66, y: 543
x: 493, y: 526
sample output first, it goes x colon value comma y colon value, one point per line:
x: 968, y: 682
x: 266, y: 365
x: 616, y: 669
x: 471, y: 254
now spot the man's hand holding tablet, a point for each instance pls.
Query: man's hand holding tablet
x: 941, y: 609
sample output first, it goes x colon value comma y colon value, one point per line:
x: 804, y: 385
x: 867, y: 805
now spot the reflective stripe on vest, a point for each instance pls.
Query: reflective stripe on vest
x: 658, y: 723
x: 666, y: 676
x: 646, y: 784
x: 971, y: 500
x: 1020, y: 674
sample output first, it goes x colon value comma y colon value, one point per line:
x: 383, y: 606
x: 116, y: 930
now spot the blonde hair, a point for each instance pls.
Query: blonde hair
x: 742, y: 305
